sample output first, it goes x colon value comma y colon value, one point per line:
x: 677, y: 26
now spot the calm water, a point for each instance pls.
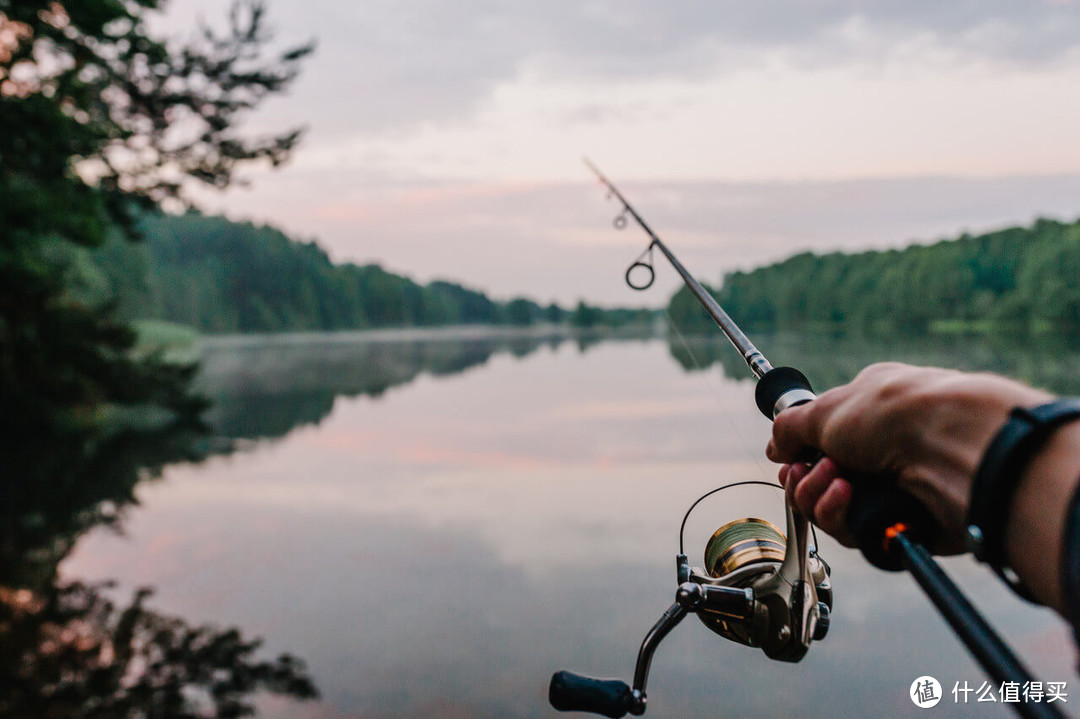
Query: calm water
x: 435, y: 524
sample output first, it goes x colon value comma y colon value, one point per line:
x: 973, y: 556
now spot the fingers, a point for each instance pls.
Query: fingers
x: 808, y: 490
x: 828, y: 423
x: 788, y: 435
x: 820, y: 494
x: 783, y: 474
x: 791, y: 476
x: 852, y: 424
x: 831, y: 510
x: 797, y: 432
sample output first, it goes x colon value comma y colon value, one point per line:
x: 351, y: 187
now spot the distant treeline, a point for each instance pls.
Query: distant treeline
x: 1019, y: 279
x: 223, y: 276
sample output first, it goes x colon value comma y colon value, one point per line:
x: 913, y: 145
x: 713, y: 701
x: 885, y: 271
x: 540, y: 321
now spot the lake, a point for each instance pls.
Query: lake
x: 434, y: 522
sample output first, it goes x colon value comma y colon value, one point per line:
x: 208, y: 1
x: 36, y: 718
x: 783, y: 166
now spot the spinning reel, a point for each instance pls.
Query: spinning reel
x: 757, y: 588
x: 764, y: 590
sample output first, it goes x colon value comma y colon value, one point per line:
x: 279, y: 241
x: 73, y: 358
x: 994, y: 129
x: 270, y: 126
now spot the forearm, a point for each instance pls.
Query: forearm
x: 1036, y: 527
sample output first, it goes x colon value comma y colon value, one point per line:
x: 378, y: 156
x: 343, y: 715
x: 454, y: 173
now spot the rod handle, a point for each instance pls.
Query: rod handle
x: 877, y: 510
x: 571, y: 692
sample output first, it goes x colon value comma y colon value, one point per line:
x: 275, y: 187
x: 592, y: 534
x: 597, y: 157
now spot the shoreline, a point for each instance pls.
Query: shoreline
x: 413, y: 334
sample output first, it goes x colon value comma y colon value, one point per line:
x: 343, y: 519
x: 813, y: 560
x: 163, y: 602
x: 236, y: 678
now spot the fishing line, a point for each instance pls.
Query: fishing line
x: 645, y: 261
x: 711, y: 492
x: 750, y: 451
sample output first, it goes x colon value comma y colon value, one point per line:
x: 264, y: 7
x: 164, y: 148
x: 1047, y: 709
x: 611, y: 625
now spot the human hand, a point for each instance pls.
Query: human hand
x: 925, y: 427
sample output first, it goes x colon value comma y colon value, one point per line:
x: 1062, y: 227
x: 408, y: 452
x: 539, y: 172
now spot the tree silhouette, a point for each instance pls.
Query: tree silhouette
x: 101, y: 118
x: 67, y: 649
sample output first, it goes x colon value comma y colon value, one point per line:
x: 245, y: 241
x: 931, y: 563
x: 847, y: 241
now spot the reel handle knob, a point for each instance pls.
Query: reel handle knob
x: 877, y: 504
x: 571, y: 692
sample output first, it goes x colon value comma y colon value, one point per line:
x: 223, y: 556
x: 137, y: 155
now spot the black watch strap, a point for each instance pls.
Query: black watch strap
x: 1025, y: 432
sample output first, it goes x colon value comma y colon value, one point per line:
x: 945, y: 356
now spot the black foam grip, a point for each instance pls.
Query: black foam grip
x: 574, y: 693
x: 878, y: 504
x: 775, y: 383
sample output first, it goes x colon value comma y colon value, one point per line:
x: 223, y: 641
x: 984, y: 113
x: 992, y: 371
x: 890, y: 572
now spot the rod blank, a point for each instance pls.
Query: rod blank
x: 754, y: 358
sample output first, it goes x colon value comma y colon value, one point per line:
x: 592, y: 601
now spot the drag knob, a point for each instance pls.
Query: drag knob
x: 822, y: 627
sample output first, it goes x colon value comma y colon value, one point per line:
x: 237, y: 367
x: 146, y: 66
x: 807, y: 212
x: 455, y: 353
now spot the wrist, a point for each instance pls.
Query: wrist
x: 1036, y: 527
x: 1022, y: 452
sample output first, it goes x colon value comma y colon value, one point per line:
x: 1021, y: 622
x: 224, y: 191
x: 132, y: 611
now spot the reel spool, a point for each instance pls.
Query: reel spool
x: 742, y: 543
x: 737, y: 555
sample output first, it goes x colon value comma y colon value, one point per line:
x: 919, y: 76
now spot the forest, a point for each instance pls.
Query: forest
x: 1016, y: 280
x: 220, y: 276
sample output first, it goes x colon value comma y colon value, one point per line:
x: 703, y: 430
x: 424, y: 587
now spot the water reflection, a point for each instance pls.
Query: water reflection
x: 1048, y: 361
x: 435, y: 541
x: 67, y: 648
x: 263, y: 387
x: 68, y: 651
x: 74, y: 648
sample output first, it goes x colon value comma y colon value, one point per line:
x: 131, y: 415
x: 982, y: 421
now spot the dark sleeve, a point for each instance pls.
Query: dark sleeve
x: 1070, y: 565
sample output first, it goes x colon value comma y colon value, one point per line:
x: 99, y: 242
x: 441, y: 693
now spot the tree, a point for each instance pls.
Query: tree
x: 685, y: 312
x: 100, y: 119
x: 521, y: 312
x: 585, y: 317
x: 1016, y: 279
x: 554, y: 314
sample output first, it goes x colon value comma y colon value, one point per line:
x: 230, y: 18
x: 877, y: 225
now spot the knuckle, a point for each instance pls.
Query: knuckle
x: 878, y: 369
x: 785, y: 431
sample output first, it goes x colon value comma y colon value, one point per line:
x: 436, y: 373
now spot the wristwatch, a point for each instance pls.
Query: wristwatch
x: 999, y: 472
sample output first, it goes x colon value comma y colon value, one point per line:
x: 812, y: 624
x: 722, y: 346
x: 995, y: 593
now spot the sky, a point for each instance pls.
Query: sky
x: 444, y: 140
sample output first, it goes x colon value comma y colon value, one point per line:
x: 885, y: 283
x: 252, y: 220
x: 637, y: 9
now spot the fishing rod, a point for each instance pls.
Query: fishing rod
x: 762, y: 589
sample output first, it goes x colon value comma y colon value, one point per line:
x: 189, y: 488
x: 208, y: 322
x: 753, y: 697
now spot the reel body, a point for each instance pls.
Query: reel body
x: 759, y: 588
x: 750, y: 553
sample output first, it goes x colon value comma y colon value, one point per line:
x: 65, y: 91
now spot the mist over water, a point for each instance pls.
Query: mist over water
x: 437, y: 523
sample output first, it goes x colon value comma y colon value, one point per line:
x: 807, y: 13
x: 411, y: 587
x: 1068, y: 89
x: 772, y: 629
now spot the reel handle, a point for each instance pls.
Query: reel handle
x: 571, y: 692
x: 877, y: 503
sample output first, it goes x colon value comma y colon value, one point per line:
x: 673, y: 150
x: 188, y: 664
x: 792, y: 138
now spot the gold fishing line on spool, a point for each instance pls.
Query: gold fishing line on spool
x: 743, y: 542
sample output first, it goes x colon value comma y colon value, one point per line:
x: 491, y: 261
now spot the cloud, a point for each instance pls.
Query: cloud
x: 445, y: 136
x: 388, y: 65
